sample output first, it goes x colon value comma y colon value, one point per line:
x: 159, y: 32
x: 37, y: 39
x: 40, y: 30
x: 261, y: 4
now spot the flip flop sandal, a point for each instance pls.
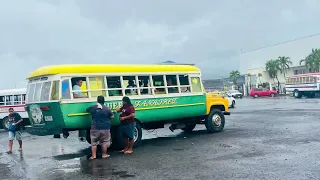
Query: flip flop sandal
x: 103, y: 157
x: 9, y: 152
x: 128, y: 152
x: 91, y: 158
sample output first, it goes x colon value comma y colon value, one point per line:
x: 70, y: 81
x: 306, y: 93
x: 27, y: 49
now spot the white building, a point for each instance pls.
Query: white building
x: 253, y: 62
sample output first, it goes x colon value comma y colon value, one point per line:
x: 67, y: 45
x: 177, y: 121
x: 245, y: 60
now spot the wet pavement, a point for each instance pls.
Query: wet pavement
x: 264, y: 138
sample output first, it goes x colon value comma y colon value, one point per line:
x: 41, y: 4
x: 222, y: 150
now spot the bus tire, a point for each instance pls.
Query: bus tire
x: 297, y: 94
x: 189, y: 128
x: 5, y: 123
x: 215, y: 121
x: 119, y: 141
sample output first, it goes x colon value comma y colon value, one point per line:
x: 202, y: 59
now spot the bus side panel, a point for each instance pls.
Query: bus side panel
x: 147, y: 110
x: 45, y: 118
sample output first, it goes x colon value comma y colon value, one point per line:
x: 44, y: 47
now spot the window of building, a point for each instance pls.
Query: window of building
x: 65, y: 90
x: 31, y: 92
x: 158, y: 83
x: 79, y: 87
x: 145, y: 85
x: 97, y: 86
x: 196, y: 85
x: 131, y: 85
x: 45, y: 91
x: 184, y: 83
x: 114, y: 86
x: 172, y: 84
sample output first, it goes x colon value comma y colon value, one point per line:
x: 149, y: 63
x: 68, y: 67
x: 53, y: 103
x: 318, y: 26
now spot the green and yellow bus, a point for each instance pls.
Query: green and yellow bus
x: 161, y: 94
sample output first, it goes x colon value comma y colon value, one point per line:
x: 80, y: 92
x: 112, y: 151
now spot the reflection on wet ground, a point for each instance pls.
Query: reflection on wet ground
x: 263, y: 138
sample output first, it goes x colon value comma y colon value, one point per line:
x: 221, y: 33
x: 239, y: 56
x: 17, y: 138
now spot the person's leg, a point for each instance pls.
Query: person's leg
x: 94, y: 143
x: 11, y: 138
x: 19, y: 139
x: 105, y: 142
x: 131, y: 138
x: 123, y: 136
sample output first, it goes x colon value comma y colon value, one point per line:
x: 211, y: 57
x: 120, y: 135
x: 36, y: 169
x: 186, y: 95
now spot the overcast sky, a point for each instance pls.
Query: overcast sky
x: 209, y: 33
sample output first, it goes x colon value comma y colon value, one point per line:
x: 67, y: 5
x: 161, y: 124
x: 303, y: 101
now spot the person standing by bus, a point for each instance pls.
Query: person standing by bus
x: 127, y: 125
x: 15, y: 121
x: 100, y: 127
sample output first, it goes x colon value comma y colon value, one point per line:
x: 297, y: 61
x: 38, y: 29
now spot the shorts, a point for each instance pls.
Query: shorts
x: 16, y: 135
x: 101, y: 137
x: 127, y: 131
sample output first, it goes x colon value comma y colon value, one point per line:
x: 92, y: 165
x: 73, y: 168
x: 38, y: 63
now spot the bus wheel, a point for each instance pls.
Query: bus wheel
x: 297, y: 94
x: 5, y: 123
x: 189, y: 128
x: 215, y: 121
x: 119, y: 141
x: 88, y: 138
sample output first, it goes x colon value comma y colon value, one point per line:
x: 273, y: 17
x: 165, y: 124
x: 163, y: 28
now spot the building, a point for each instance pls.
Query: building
x: 253, y: 62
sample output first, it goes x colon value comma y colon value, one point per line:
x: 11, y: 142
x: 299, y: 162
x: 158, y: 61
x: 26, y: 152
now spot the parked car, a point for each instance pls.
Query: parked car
x: 231, y: 100
x: 235, y: 93
x: 257, y: 92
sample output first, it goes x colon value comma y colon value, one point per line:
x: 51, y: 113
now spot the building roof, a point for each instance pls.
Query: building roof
x: 108, y: 68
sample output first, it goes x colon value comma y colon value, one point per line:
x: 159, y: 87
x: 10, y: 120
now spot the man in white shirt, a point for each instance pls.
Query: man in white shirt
x: 77, y: 87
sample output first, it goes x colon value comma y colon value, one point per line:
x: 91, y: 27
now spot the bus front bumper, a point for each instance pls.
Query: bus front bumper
x: 40, y: 130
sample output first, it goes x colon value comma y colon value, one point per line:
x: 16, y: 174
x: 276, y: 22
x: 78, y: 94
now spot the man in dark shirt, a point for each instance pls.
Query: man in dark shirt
x: 127, y: 125
x: 15, y: 121
x: 100, y: 127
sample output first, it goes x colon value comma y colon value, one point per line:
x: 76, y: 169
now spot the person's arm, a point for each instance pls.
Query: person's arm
x: 118, y: 110
x: 110, y: 113
x: 19, y: 121
x: 132, y: 114
x: 89, y: 109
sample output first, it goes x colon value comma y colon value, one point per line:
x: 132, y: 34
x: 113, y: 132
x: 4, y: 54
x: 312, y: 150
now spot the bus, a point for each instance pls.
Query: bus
x: 161, y: 94
x: 303, y: 85
x: 12, y: 98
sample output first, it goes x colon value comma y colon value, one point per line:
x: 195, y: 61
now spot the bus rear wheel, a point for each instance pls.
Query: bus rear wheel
x: 215, y: 121
x: 297, y: 94
x: 5, y: 123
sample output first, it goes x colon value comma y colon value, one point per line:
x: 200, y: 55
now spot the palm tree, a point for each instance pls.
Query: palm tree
x: 312, y: 61
x: 284, y: 64
x: 234, y: 76
x: 273, y: 67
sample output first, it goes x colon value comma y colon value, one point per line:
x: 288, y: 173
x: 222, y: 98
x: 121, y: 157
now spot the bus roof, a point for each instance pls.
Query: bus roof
x: 13, y: 91
x: 108, y: 68
x: 304, y: 75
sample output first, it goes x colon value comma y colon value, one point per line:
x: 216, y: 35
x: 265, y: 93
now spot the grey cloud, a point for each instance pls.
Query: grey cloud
x: 209, y: 33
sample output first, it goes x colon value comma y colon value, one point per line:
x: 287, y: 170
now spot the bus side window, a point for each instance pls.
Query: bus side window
x: 196, y: 85
x: 65, y: 89
x: 145, y: 85
x: 172, y: 84
x: 23, y: 99
x: 158, y: 81
x: 184, y: 84
x: 45, y: 91
x: 114, y: 86
x: 79, y: 85
x: 96, y: 85
x: 130, y: 85
x: 17, y: 99
x: 2, y: 100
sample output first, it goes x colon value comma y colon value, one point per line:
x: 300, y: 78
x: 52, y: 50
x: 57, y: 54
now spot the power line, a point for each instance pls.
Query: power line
x: 280, y: 43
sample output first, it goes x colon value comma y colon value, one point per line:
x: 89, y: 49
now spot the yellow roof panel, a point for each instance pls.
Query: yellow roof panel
x: 108, y: 68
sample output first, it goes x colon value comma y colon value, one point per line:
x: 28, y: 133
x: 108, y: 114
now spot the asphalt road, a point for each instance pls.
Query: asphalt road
x: 264, y: 138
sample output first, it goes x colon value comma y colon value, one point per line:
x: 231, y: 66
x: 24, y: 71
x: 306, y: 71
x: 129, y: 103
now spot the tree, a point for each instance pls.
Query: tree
x: 312, y: 61
x: 284, y: 64
x: 273, y: 67
x: 234, y: 76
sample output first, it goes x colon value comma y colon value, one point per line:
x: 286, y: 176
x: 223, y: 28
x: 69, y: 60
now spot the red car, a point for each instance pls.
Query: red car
x: 256, y: 92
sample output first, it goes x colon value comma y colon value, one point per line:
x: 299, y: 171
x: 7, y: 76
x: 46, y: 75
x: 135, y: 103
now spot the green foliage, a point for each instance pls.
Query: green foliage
x: 312, y: 61
x: 234, y: 76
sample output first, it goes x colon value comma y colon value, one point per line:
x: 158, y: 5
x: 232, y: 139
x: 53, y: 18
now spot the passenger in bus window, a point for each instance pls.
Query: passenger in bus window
x: 130, y: 87
x: 77, y: 87
x: 171, y: 89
